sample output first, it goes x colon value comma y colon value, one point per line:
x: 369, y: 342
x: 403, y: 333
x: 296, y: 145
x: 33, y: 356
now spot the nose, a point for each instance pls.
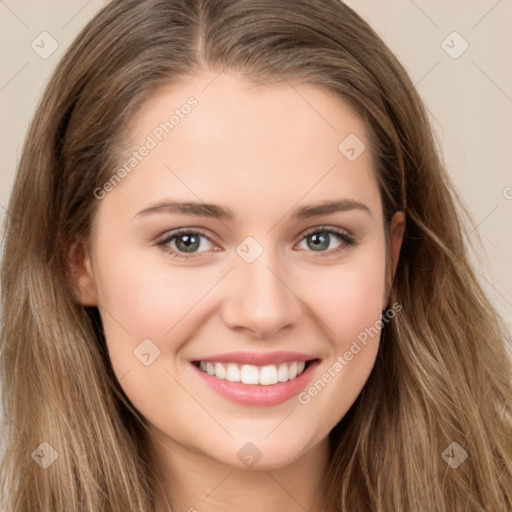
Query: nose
x: 260, y: 300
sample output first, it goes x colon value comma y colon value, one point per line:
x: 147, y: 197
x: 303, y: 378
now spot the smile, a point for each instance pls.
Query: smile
x: 250, y: 374
x: 257, y: 379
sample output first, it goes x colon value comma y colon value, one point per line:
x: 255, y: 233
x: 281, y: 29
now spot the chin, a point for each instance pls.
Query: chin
x: 262, y: 454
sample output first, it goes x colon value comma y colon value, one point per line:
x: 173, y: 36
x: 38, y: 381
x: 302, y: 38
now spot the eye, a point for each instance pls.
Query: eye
x: 319, y: 240
x: 185, y: 242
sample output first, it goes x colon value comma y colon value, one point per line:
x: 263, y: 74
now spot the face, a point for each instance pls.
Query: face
x: 231, y: 295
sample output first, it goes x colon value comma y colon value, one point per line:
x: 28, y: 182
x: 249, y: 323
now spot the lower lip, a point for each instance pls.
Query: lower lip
x: 250, y: 394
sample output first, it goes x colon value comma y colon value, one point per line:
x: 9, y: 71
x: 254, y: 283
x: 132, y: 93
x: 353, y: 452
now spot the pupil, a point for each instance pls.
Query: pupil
x: 189, y: 243
x: 320, y: 241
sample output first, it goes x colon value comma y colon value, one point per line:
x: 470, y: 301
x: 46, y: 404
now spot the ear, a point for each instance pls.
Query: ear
x: 397, y: 237
x: 81, y: 274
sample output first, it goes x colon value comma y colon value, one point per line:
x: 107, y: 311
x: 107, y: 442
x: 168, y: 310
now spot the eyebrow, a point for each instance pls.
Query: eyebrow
x: 219, y: 212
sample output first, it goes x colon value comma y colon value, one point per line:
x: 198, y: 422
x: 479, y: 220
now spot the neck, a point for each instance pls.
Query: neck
x: 192, y: 482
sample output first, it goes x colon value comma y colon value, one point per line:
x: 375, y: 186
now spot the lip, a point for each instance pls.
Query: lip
x: 257, y: 358
x: 256, y: 394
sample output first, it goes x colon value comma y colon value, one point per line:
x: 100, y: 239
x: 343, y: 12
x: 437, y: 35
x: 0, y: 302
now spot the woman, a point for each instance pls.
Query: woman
x: 234, y: 277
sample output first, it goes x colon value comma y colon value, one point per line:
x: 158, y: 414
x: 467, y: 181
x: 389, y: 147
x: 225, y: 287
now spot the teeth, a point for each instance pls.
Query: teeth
x: 292, y: 371
x: 233, y: 373
x: 268, y: 375
x: 250, y: 374
x: 282, y: 372
x: 220, y: 371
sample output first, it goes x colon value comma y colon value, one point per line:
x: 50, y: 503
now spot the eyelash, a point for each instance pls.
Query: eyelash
x: 347, y: 241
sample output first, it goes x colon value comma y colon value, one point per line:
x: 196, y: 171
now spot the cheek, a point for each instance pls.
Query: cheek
x: 359, y: 305
x: 348, y: 298
x: 148, y: 298
x: 142, y: 299
x: 351, y: 312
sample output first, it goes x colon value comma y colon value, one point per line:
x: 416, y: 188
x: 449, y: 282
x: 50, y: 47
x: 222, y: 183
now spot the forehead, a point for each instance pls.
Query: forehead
x: 229, y: 107
x: 248, y: 145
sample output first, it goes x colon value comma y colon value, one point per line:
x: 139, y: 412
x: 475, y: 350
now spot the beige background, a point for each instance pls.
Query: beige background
x: 469, y: 97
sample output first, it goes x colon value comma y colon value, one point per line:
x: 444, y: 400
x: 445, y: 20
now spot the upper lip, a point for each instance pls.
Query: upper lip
x: 256, y: 358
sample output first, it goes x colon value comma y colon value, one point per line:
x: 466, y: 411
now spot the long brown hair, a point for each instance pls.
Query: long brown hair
x: 442, y: 374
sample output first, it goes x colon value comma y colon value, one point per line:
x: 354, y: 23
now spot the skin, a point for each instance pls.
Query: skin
x: 263, y: 153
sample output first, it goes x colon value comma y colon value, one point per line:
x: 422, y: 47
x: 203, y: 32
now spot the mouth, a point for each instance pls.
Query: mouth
x: 257, y: 384
x: 249, y: 374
